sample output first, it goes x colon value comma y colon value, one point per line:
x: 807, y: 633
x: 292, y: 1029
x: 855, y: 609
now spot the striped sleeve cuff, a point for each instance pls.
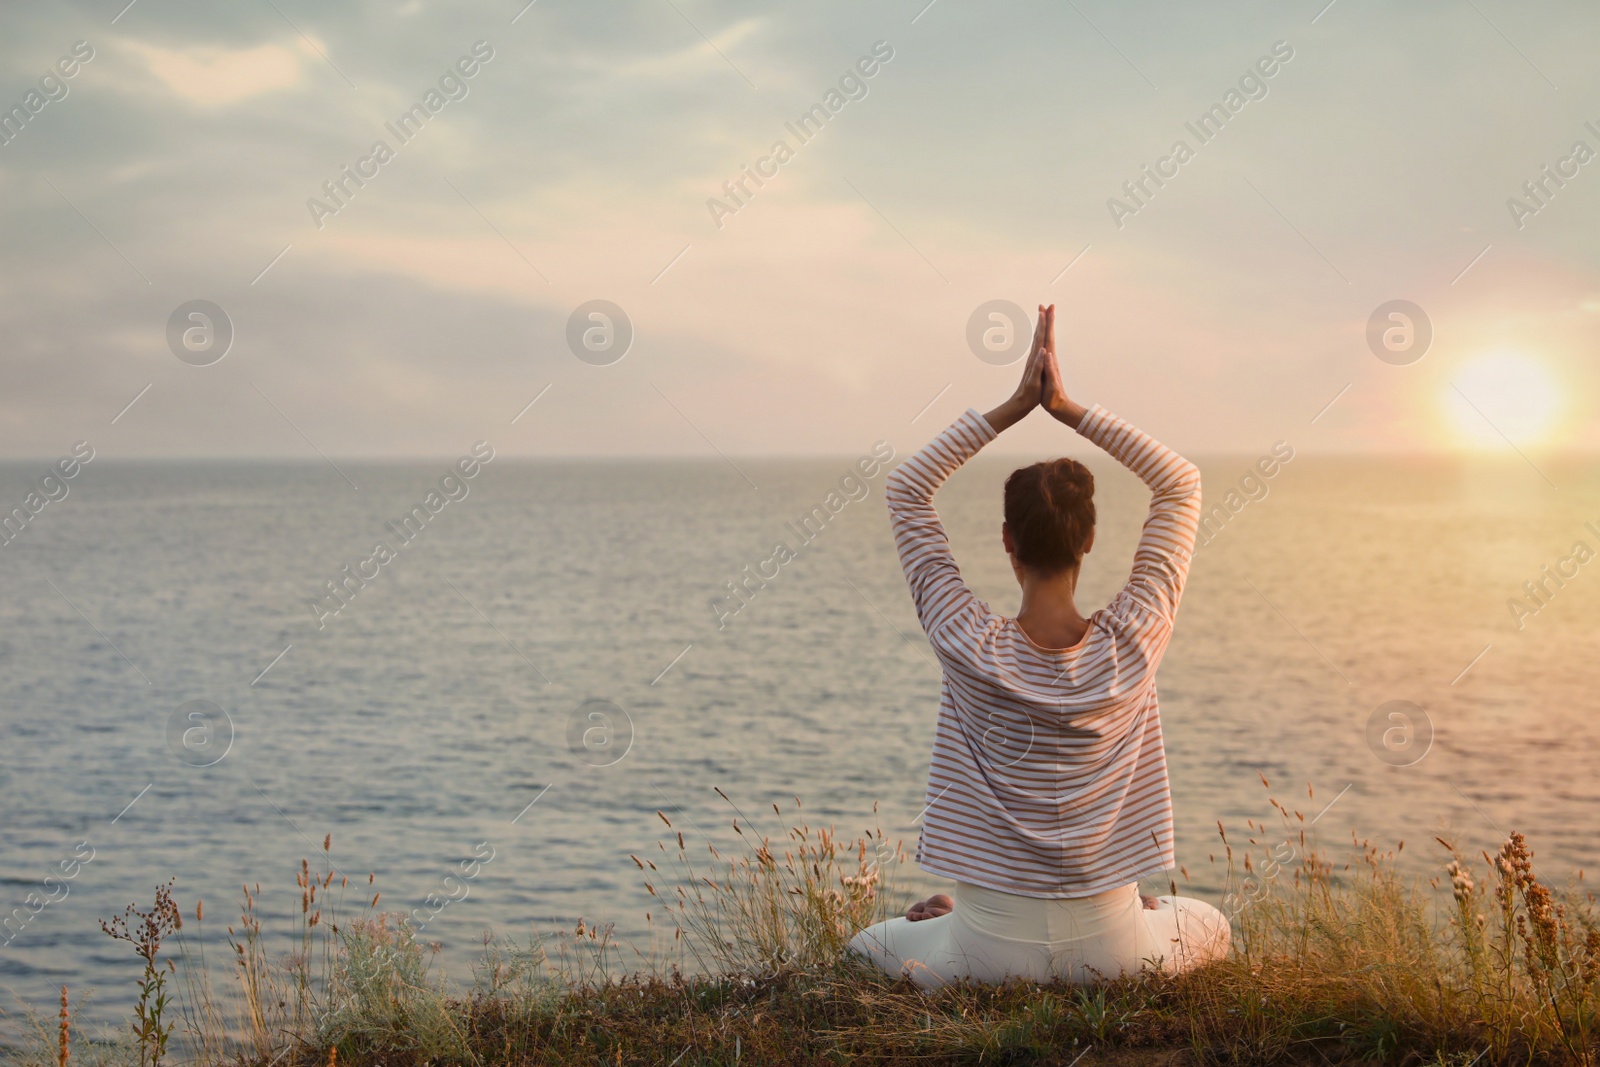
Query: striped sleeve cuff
x: 1095, y: 423
x: 976, y: 423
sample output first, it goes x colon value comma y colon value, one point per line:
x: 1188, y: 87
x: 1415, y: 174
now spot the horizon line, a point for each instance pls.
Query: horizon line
x: 675, y: 457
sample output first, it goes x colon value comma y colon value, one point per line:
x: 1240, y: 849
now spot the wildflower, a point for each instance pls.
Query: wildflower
x: 1460, y: 882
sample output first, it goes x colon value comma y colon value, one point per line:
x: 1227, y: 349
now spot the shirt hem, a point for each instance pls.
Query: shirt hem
x: 1066, y: 893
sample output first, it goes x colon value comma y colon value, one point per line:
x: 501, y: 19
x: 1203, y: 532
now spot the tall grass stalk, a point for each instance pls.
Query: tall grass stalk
x: 777, y: 907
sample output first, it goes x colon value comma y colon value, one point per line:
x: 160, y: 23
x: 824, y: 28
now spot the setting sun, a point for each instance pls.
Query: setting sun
x: 1503, y: 395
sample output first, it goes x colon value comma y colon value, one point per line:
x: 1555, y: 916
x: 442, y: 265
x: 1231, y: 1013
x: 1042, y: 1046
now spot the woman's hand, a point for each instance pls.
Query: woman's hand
x: 1030, y: 390
x: 932, y: 908
x: 1053, y: 394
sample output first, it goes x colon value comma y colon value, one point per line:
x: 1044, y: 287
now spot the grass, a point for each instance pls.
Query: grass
x: 1484, y: 965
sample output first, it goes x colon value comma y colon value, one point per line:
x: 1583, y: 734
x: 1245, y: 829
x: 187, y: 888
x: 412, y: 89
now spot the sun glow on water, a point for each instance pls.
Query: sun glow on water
x: 1502, y: 395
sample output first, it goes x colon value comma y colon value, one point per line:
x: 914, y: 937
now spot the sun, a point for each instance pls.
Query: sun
x: 1502, y: 395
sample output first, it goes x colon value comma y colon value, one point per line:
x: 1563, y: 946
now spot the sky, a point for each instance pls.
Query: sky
x: 1382, y: 159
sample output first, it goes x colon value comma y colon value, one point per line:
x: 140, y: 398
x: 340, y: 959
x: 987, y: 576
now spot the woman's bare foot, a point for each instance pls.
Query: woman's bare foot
x: 932, y: 908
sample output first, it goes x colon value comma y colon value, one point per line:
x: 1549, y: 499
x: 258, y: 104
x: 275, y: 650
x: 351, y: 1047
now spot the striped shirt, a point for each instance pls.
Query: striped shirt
x: 1048, y: 776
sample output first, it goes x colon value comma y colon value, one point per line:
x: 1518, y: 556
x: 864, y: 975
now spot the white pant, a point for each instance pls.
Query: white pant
x: 991, y: 936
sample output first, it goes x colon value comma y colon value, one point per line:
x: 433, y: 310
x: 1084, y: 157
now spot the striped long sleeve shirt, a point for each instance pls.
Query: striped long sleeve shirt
x: 1048, y: 776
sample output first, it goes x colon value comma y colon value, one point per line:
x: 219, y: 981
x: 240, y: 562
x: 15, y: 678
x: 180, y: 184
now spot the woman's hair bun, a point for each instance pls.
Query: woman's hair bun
x: 1049, y: 508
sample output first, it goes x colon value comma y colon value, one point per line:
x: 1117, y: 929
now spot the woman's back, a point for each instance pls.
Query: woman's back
x: 1048, y: 775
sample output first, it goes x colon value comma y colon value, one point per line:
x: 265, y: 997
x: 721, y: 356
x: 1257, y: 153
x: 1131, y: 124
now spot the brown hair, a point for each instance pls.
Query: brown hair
x: 1050, y: 512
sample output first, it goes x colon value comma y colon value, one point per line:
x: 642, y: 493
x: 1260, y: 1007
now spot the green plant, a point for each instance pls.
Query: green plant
x: 382, y: 997
x: 43, y: 1042
x: 785, y: 906
x: 145, y: 931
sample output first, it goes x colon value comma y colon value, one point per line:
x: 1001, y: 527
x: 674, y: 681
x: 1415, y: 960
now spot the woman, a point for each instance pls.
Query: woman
x: 1047, y: 794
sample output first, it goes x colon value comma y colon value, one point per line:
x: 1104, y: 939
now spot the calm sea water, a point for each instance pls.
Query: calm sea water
x: 425, y: 718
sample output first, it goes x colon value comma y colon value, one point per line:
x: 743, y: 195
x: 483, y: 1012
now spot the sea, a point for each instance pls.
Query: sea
x: 486, y: 720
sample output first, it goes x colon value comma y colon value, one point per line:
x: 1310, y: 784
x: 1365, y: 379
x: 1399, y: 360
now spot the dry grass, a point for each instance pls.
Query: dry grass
x: 1332, y: 962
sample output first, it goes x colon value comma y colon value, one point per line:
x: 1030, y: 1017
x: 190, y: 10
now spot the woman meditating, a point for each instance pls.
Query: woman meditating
x: 1047, y: 794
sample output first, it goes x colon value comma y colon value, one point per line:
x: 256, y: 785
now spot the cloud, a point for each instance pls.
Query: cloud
x: 211, y: 76
x: 699, y: 59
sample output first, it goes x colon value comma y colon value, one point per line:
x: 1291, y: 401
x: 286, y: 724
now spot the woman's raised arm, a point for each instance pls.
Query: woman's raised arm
x: 936, y: 586
x: 1166, y: 545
